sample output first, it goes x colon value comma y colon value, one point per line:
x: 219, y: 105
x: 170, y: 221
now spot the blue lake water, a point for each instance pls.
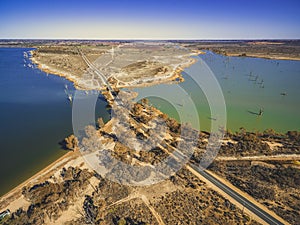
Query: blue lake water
x: 35, y: 116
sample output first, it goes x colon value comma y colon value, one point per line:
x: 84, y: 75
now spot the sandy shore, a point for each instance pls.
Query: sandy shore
x: 53, y: 71
x: 14, y: 198
x: 173, y: 77
x: 263, y: 56
x: 9, y: 200
x: 163, y: 79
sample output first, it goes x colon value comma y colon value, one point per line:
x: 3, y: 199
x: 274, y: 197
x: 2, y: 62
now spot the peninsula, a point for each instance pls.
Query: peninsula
x: 70, y: 191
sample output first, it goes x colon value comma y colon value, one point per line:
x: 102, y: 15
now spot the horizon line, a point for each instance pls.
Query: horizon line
x: 154, y: 39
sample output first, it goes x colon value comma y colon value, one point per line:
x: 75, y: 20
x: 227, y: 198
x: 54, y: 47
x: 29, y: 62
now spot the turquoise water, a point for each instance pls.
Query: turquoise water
x: 35, y: 116
x: 275, y: 90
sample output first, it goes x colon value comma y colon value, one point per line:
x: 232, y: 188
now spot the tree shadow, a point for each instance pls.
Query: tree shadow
x: 253, y: 113
x: 211, y: 118
x: 63, y: 144
x: 102, y: 98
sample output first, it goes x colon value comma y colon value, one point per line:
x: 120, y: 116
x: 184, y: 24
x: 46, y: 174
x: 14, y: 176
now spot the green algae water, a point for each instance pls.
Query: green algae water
x: 248, y: 85
x: 35, y: 116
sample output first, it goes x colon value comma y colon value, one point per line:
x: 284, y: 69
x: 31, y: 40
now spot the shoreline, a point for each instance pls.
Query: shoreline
x: 39, y: 175
x: 60, y: 161
x: 48, y: 70
x: 260, y: 56
x: 176, y: 74
x: 54, y: 165
x: 253, y: 55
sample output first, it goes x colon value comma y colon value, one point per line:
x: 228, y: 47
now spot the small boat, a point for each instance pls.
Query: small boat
x: 260, y: 112
x: 70, y: 97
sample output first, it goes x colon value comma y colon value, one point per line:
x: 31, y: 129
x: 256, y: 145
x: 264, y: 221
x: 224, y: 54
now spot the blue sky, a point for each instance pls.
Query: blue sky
x: 117, y: 19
